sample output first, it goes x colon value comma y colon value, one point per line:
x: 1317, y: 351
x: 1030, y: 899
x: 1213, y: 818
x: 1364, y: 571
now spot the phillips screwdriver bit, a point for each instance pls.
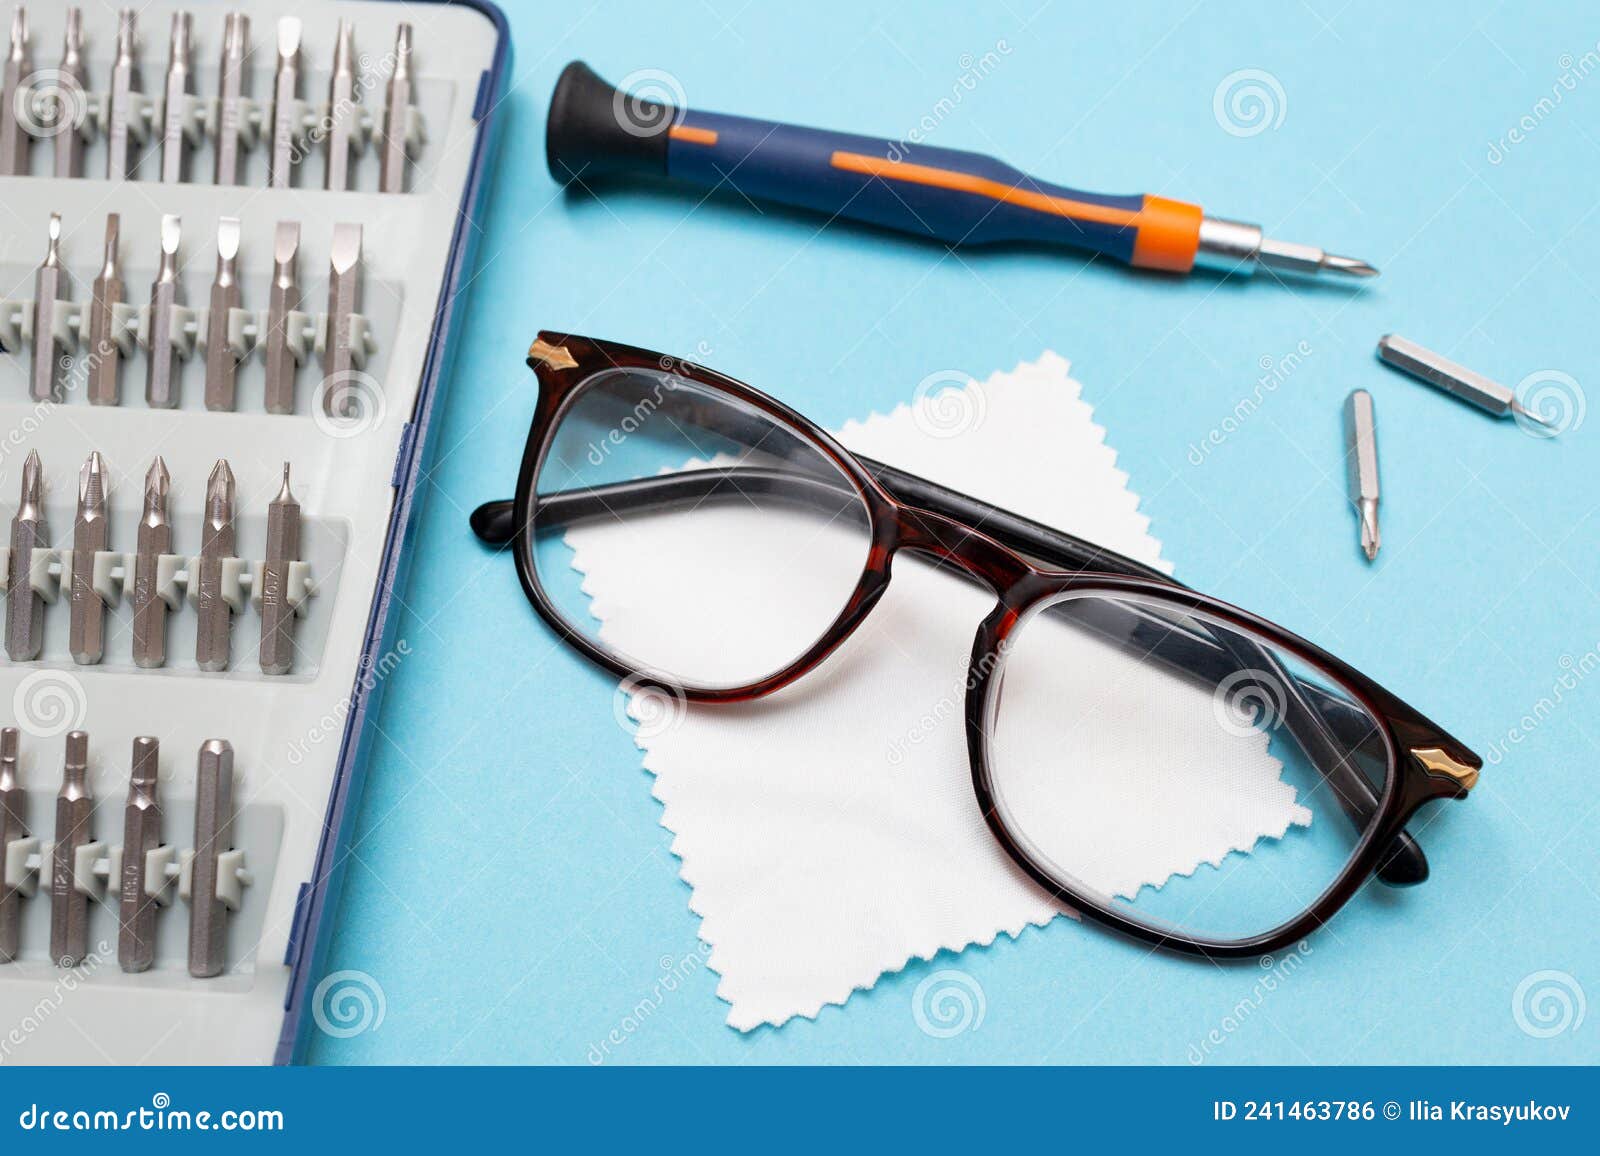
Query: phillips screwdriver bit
x: 344, y: 299
x: 342, y: 110
x: 175, y: 117
x: 51, y: 285
x: 24, y: 606
x: 1361, y: 460
x: 213, y: 834
x: 216, y: 544
x: 161, y: 364
x: 283, y: 299
x: 70, y: 98
x: 155, y: 539
x: 69, y: 907
x: 15, y: 140
x: 141, y: 834
x: 13, y: 825
x: 122, y: 155
x: 283, y: 547
x: 235, y: 47
x: 221, y: 364
x: 392, y: 165
x: 285, y: 97
x: 90, y: 535
x: 1455, y: 379
x: 104, y: 358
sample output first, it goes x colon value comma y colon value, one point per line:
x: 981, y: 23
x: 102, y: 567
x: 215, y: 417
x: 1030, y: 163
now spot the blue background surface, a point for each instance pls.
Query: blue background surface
x: 511, y: 890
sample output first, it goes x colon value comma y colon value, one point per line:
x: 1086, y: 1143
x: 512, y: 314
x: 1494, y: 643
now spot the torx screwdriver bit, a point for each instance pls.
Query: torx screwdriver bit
x: 141, y: 834
x: 13, y: 825
x: 1453, y: 378
x: 70, y: 99
x: 155, y: 539
x: 90, y: 535
x: 221, y: 364
x: 397, y: 107
x: 161, y: 363
x: 1361, y: 460
x: 51, y: 285
x: 285, y: 97
x: 15, y: 139
x: 344, y: 300
x: 213, y: 834
x: 104, y: 359
x: 122, y: 157
x: 283, y: 299
x: 215, y: 616
x: 175, y: 115
x: 342, y: 110
x: 24, y: 606
x: 69, y: 907
x: 230, y: 109
x: 283, y: 548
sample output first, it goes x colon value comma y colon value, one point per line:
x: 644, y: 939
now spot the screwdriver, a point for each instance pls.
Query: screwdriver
x: 960, y: 198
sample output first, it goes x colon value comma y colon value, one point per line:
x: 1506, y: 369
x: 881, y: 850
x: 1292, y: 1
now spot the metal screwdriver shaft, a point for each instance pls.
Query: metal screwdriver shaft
x: 51, y: 286
x: 213, y: 630
x: 71, y: 90
x: 103, y: 361
x: 1361, y: 460
x: 1455, y: 379
x: 24, y: 606
x: 213, y: 834
x: 285, y: 97
x: 13, y: 826
x: 283, y: 548
x: 155, y: 539
x: 90, y: 535
x: 175, y: 122
x: 342, y: 109
x: 15, y: 140
x: 69, y: 907
x: 141, y: 834
x: 397, y: 107
x: 221, y: 364
x: 282, y: 299
x: 161, y: 362
x: 230, y: 97
x: 122, y: 157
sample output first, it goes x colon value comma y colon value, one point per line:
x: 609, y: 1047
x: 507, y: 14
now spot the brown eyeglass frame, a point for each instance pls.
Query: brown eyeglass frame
x: 1025, y: 564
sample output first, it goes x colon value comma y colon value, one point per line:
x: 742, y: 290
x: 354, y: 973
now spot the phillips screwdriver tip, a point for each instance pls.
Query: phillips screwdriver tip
x: 1349, y: 266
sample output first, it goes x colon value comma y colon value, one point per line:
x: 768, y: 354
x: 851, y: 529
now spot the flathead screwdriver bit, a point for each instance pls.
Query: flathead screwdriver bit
x: 215, y: 615
x: 342, y: 108
x: 161, y: 361
x: 221, y: 363
x: 70, y: 99
x: 90, y: 535
x: 122, y: 154
x: 15, y: 140
x: 283, y: 548
x: 104, y: 358
x: 13, y: 826
x: 175, y: 115
x: 282, y: 300
x: 1361, y: 460
x: 230, y: 102
x: 340, y: 392
x: 24, y: 606
x: 1455, y: 379
x: 51, y: 286
x: 155, y: 539
x: 397, y: 109
x: 69, y: 907
x: 213, y: 834
x: 285, y: 101
x: 141, y: 834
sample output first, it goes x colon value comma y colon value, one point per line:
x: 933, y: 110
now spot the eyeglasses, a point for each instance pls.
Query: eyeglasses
x: 1086, y: 657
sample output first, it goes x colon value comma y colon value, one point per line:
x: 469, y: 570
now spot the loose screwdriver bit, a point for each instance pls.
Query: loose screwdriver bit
x: 14, y: 137
x: 51, y: 285
x: 72, y: 89
x: 104, y: 360
x: 235, y: 47
x: 13, y: 825
x: 344, y: 300
x: 283, y: 547
x: 175, y: 117
x: 342, y: 109
x: 221, y: 364
x: 213, y: 834
x: 141, y: 834
x: 392, y: 165
x: 122, y: 157
x: 283, y: 300
x: 69, y: 907
x: 24, y: 606
x: 90, y: 535
x: 216, y: 544
x: 1453, y: 378
x: 161, y: 365
x: 1361, y: 460
x: 285, y: 96
x: 155, y: 539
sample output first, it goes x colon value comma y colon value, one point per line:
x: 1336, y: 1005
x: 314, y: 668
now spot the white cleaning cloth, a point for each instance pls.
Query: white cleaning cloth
x: 829, y: 832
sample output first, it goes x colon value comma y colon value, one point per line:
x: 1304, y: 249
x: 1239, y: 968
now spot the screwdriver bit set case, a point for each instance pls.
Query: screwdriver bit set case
x: 236, y: 239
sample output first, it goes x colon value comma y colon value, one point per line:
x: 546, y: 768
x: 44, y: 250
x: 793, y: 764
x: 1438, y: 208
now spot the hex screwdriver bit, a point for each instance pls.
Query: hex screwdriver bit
x: 104, y: 357
x: 24, y: 606
x: 161, y: 361
x: 344, y: 300
x: 230, y: 106
x: 90, y: 535
x: 397, y: 107
x: 122, y: 154
x: 285, y: 97
x: 221, y: 364
x: 215, y: 615
x: 69, y: 907
x: 51, y: 286
x: 283, y: 548
x: 175, y: 116
x: 342, y: 109
x: 141, y: 834
x: 70, y: 99
x: 282, y: 300
x: 13, y: 826
x: 1361, y: 463
x: 213, y: 834
x: 155, y: 539
x: 15, y: 140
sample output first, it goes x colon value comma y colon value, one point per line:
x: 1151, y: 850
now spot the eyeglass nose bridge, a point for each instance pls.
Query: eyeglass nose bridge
x: 955, y: 545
